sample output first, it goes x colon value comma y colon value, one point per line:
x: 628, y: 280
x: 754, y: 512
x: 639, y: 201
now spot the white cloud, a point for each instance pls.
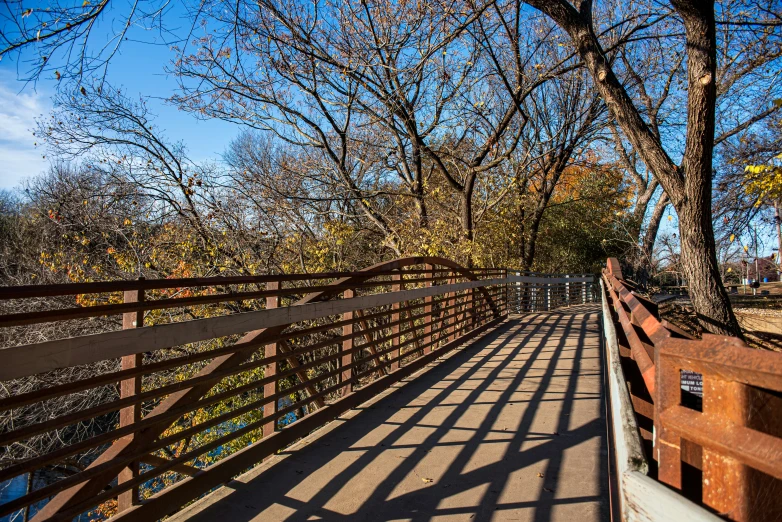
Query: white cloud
x: 19, y: 158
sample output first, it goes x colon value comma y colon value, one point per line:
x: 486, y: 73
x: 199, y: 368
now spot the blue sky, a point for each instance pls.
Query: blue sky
x: 139, y: 69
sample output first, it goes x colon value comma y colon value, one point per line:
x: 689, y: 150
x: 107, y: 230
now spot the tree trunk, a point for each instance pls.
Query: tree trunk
x: 688, y: 187
x: 641, y: 206
x: 650, y: 235
x: 699, y: 263
x: 418, y: 187
x: 466, y: 212
x: 530, y: 244
x: 420, y: 204
x: 778, y: 222
x: 696, y: 230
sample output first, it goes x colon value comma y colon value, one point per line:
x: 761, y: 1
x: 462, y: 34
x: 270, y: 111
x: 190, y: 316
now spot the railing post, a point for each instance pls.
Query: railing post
x: 270, y: 388
x: 470, y: 309
x: 533, y: 297
x: 428, y: 319
x: 452, y: 310
x: 505, y: 293
x: 724, y: 478
x: 395, y: 318
x: 128, y: 388
x: 347, y: 347
x: 667, y: 443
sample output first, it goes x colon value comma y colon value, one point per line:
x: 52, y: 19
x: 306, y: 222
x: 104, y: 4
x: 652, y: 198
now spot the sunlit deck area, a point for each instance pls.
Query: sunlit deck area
x: 509, y: 426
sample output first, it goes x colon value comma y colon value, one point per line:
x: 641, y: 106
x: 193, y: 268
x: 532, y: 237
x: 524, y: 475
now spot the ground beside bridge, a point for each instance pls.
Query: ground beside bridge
x: 508, y: 427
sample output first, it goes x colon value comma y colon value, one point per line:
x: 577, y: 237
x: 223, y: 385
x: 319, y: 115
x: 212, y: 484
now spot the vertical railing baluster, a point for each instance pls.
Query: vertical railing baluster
x: 428, y: 318
x: 270, y: 388
x: 395, y: 318
x: 474, y: 305
x: 347, y: 358
x: 548, y: 297
x: 128, y: 388
x: 450, y: 303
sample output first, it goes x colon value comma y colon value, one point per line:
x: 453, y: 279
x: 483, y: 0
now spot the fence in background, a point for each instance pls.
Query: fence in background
x: 204, y: 378
x: 703, y: 417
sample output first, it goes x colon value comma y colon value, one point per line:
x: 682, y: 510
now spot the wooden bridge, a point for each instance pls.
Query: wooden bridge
x: 413, y: 390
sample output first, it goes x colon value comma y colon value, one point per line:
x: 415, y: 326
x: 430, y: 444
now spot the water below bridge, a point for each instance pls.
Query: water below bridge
x: 510, y: 426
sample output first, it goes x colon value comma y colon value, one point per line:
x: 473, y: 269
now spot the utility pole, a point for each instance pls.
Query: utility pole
x: 757, y: 272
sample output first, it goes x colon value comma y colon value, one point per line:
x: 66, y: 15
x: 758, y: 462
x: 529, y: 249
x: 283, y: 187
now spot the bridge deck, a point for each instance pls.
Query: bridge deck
x: 509, y: 427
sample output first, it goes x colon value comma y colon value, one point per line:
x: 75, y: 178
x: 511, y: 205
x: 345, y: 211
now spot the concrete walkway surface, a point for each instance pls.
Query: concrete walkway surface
x: 510, y: 426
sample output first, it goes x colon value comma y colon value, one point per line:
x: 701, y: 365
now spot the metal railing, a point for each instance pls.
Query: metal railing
x: 703, y: 417
x: 204, y: 378
x: 537, y: 292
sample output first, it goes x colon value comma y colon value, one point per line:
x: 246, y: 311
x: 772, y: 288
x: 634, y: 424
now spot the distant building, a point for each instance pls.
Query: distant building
x: 767, y: 268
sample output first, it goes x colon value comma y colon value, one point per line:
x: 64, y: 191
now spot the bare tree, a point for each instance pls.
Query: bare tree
x: 688, y: 185
x: 651, y: 68
x: 69, y: 38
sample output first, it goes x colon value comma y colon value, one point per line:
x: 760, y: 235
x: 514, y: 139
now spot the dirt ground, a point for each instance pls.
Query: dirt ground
x: 680, y: 312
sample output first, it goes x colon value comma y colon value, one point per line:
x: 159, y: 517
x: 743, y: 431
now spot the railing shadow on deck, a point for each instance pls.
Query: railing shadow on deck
x: 433, y: 416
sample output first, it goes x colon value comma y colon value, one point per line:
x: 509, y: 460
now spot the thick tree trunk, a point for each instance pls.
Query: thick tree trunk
x: 466, y: 215
x: 418, y: 187
x: 420, y: 205
x: 699, y: 253
x: 689, y: 187
x: 699, y: 264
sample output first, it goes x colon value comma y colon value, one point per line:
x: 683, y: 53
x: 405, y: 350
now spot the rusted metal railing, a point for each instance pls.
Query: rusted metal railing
x: 204, y: 378
x: 719, y: 444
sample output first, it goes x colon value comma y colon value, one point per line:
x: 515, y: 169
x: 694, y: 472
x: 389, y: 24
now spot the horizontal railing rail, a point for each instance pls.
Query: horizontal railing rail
x: 708, y: 412
x: 133, y: 398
